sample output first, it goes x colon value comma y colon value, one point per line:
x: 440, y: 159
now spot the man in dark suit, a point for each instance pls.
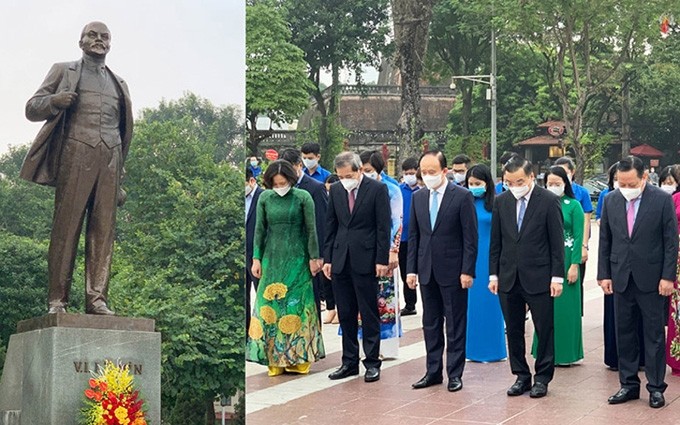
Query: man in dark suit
x: 442, y: 252
x: 356, y: 254
x: 637, y: 263
x: 320, y: 197
x: 253, y: 192
x: 526, y: 267
x: 81, y: 150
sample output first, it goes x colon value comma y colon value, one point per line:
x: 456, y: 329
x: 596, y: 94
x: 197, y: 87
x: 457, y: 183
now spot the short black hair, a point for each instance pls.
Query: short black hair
x: 565, y: 160
x: 559, y: 172
x: 279, y: 167
x: 410, y: 163
x: 249, y: 174
x: 507, y: 156
x: 311, y: 147
x: 631, y: 163
x: 374, y: 158
x: 437, y: 154
x: 332, y: 178
x: 483, y: 172
x: 517, y: 162
x: 291, y: 155
x: 461, y: 159
x: 611, y: 175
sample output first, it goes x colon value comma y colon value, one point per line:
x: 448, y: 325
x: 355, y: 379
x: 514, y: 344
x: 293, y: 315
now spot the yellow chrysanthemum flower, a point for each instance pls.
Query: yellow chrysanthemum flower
x: 255, y: 331
x: 275, y: 291
x: 121, y: 414
x: 268, y: 314
x: 290, y: 323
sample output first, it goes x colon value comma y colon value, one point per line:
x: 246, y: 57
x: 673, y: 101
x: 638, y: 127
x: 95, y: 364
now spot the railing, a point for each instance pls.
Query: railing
x: 373, y: 90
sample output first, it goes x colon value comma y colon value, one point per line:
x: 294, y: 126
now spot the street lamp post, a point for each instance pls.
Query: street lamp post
x: 490, y: 80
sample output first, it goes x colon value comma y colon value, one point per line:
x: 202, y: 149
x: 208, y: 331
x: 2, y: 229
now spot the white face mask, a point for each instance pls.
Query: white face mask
x: 281, y: 191
x: 410, y: 179
x: 432, y: 182
x: 349, y: 184
x: 310, y: 163
x: 669, y: 188
x: 253, y: 163
x: 616, y: 185
x: 630, y: 193
x: 519, y: 191
x: 459, y: 177
x: 557, y: 190
x: 372, y: 175
x: 249, y: 189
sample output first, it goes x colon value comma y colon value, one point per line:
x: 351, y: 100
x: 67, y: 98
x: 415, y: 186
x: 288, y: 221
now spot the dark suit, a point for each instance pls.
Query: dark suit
x: 439, y: 256
x: 636, y: 264
x: 251, y: 218
x: 355, y: 243
x: 525, y: 262
x: 320, y: 196
x: 80, y: 151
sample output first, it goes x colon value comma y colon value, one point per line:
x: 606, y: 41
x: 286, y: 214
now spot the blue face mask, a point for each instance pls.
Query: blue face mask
x: 478, y: 191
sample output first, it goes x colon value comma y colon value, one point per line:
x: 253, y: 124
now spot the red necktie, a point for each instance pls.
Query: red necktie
x: 351, y: 200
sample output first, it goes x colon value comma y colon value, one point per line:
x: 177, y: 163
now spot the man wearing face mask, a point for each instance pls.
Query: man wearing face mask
x: 442, y: 253
x: 637, y: 262
x: 356, y: 254
x: 254, y: 166
x: 459, y: 167
x: 526, y: 267
x: 409, y: 169
x: 311, y: 155
x: 253, y: 192
x: 320, y: 197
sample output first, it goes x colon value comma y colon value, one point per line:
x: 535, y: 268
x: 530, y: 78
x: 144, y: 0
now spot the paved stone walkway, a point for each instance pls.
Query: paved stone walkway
x: 577, y: 395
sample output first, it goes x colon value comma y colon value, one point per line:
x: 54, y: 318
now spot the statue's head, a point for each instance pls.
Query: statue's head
x: 95, y: 40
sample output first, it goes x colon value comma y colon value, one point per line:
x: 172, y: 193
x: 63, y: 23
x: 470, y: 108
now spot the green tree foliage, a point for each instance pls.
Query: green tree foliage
x: 336, y: 35
x: 23, y: 277
x: 217, y: 126
x: 25, y: 208
x: 276, y: 77
x: 584, y: 44
x: 459, y: 44
x: 655, y: 98
x: 180, y: 259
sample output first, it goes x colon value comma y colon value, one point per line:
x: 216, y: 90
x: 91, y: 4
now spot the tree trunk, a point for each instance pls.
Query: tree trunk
x: 209, y: 412
x: 625, y: 118
x: 411, y: 23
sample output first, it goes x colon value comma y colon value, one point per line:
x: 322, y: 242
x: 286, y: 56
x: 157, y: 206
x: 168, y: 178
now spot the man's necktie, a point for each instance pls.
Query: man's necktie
x: 351, y: 199
x: 434, y: 208
x: 522, y: 210
x: 631, y: 216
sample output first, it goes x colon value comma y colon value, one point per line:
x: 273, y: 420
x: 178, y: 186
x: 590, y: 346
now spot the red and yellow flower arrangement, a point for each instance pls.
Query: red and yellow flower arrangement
x: 111, y: 398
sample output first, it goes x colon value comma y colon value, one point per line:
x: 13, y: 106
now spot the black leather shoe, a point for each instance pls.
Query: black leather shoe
x: 624, y: 395
x: 408, y: 311
x: 56, y: 309
x: 519, y: 388
x: 538, y: 390
x: 372, y: 374
x: 656, y: 399
x: 427, y: 381
x: 344, y: 371
x: 455, y: 384
x: 101, y: 310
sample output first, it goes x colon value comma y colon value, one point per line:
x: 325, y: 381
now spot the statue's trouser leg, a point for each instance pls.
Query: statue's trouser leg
x: 101, y: 226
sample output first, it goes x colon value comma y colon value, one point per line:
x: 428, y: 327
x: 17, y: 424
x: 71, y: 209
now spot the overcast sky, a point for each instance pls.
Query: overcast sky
x: 162, y: 48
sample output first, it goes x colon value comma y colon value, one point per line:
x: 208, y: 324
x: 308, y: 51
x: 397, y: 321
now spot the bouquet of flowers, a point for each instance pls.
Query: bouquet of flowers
x: 111, y: 398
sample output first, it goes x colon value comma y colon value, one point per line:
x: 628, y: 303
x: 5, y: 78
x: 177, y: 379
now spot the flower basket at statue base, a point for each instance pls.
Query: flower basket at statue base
x: 52, y: 360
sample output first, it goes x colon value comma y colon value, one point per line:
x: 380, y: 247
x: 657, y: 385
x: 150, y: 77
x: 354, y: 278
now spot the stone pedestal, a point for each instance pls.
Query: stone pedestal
x: 50, y: 359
